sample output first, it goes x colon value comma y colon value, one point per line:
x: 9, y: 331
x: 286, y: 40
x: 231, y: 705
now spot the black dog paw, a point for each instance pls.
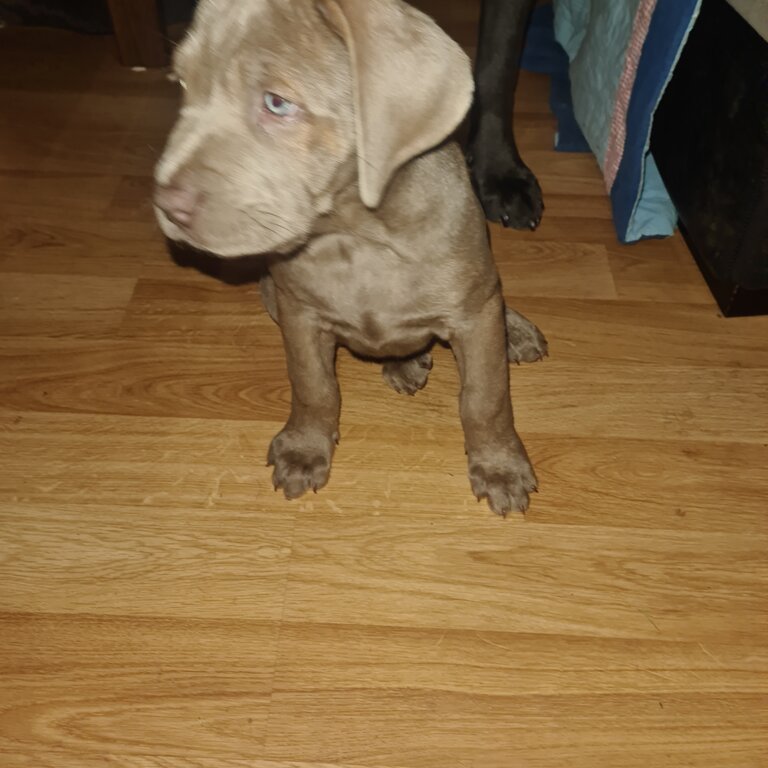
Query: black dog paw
x: 508, y: 192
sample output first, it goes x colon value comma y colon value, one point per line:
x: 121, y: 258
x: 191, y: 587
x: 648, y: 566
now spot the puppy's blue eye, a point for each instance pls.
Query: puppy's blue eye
x: 279, y: 106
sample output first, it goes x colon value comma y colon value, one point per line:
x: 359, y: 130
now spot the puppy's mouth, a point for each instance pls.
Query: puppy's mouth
x: 178, y: 233
x: 265, y: 243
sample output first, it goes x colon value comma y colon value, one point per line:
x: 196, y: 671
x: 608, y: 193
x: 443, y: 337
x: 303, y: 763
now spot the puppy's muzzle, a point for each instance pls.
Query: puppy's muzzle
x: 178, y: 204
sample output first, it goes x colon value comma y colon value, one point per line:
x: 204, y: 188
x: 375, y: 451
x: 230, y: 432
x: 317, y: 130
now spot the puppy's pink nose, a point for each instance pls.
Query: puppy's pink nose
x: 177, y: 203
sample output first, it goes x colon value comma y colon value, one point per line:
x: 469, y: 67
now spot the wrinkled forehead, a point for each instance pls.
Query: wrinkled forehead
x: 249, y: 45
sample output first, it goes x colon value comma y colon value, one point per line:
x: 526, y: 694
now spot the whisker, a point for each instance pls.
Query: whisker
x: 282, y: 226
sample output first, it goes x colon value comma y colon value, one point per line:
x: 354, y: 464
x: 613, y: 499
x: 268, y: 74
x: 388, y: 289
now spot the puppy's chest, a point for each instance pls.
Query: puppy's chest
x: 373, y: 299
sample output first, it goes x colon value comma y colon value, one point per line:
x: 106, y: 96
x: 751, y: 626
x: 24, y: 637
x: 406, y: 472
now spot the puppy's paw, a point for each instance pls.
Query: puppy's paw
x: 508, y: 192
x: 525, y: 342
x: 302, y: 461
x: 408, y: 376
x: 504, y: 484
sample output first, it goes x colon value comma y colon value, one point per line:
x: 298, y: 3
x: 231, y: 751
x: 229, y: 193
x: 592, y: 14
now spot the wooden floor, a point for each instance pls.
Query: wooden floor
x: 161, y: 607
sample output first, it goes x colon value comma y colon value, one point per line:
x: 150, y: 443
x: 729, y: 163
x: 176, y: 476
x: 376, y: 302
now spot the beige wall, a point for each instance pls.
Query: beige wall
x: 755, y: 12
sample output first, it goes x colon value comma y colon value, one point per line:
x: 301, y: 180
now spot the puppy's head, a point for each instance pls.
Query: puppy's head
x: 287, y: 101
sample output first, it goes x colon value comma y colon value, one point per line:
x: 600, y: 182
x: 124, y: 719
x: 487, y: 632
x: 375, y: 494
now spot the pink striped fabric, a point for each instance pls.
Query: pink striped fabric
x: 618, y: 131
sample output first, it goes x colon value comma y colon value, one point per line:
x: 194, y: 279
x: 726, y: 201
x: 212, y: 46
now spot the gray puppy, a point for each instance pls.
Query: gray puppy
x: 315, y: 132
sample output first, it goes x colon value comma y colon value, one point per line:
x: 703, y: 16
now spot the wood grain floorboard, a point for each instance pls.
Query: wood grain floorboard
x: 162, y: 607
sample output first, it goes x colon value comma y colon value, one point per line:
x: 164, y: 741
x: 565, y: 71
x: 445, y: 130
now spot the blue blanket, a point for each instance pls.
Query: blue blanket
x: 619, y: 57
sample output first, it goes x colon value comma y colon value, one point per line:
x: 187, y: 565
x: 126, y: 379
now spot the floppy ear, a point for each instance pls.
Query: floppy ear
x: 412, y: 85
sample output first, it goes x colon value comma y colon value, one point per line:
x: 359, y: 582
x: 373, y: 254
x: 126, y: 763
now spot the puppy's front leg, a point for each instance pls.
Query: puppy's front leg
x: 499, y: 469
x: 301, y: 452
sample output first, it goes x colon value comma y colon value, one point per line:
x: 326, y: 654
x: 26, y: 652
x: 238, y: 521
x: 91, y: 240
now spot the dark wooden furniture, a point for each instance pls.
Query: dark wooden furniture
x: 140, y: 32
x: 710, y: 141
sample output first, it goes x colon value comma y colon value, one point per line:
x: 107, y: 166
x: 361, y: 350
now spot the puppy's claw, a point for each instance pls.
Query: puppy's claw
x: 505, y: 486
x: 408, y: 376
x: 302, y: 462
x: 525, y: 342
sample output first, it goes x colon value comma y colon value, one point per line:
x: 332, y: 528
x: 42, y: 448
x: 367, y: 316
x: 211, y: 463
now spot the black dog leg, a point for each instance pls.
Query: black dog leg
x: 508, y: 191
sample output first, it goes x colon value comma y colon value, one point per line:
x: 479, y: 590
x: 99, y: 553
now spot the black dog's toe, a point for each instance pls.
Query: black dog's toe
x: 509, y: 194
